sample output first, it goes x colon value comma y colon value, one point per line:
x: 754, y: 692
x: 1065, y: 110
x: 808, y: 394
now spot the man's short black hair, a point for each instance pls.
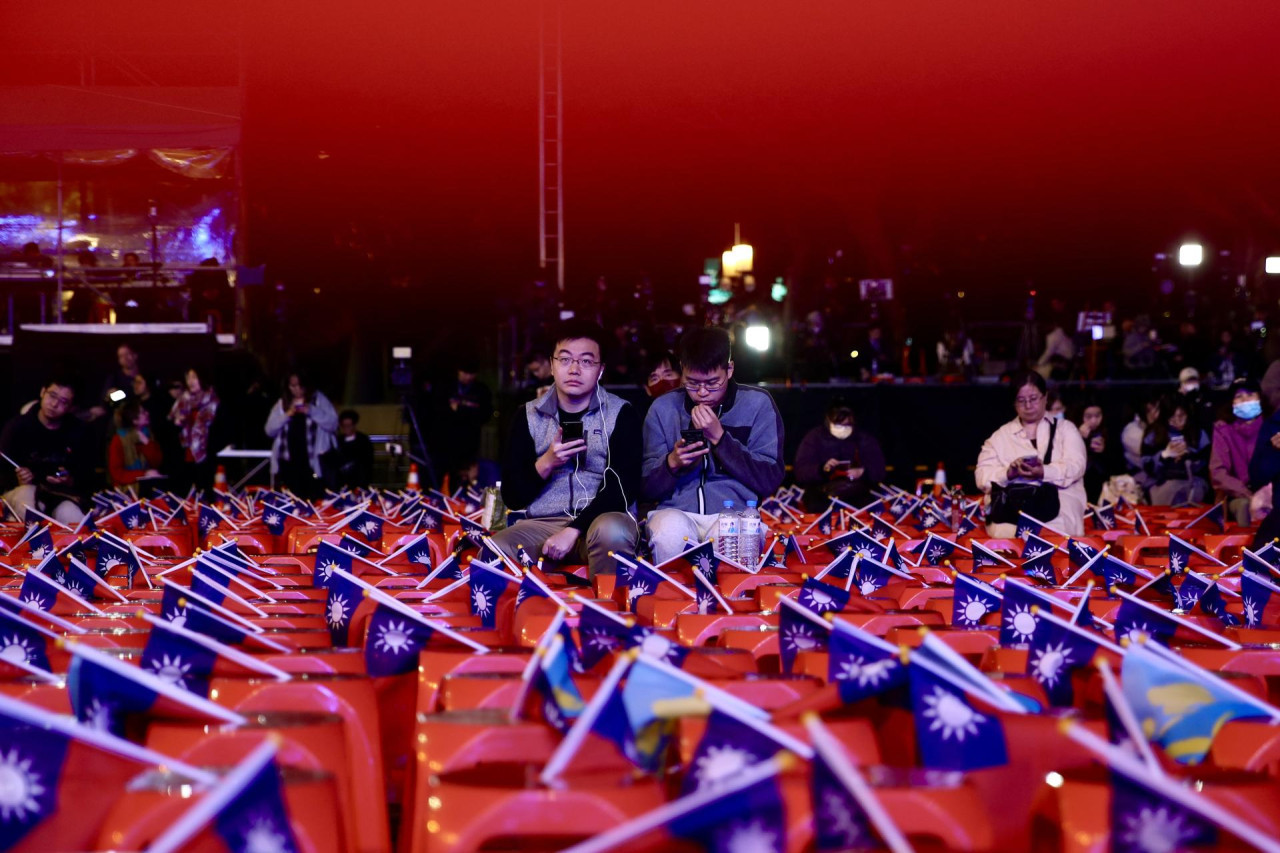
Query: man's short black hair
x: 349, y: 415
x: 656, y: 358
x: 578, y: 330
x: 705, y: 349
x: 62, y: 380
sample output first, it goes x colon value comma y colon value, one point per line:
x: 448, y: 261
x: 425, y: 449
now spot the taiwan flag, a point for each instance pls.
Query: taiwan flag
x: 63, y: 778
x: 599, y: 634
x: 729, y: 746
x: 488, y: 586
x: 367, y: 525
x: 245, y: 812
x: 105, y: 692
x: 347, y: 604
x: 861, y: 664
x: 951, y: 733
x: 394, y: 639
x: 329, y: 558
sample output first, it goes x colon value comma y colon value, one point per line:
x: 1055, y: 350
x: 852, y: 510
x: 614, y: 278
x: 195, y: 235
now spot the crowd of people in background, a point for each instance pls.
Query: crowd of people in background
x: 828, y: 337
x: 1180, y: 448
x: 139, y: 435
x: 1189, y: 443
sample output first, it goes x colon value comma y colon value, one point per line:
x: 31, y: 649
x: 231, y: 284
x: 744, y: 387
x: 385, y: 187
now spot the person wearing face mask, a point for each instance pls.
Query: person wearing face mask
x: 1234, y: 440
x: 1191, y: 395
x: 662, y: 373
x: 1056, y: 409
x: 836, y: 460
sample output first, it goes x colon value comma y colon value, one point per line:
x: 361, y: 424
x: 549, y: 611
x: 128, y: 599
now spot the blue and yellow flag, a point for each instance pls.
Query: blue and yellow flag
x: 553, y: 679
x: 650, y: 733
x: 1178, y: 708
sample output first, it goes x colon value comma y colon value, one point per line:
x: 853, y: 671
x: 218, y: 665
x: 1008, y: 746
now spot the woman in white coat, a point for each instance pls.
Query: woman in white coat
x: 301, y: 427
x: 1017, y: 450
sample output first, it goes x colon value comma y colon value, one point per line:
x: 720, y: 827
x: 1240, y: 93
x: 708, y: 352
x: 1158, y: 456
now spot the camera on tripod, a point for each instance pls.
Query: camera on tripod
x: 401, y: 370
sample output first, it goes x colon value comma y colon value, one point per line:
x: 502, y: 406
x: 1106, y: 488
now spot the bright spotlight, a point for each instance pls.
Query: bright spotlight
x: 757, y: 337
x: 1273, y: 265
x: 1190, y: 254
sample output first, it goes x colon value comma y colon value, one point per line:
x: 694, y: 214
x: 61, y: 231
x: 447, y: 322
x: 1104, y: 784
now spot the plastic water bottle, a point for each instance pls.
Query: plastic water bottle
x: 749, y: 536
x: 494, y: 516
x: 727, y: 528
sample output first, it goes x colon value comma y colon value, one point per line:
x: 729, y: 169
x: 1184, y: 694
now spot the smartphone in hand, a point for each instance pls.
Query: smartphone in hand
x: 571, y: 431
x: 691, y: 436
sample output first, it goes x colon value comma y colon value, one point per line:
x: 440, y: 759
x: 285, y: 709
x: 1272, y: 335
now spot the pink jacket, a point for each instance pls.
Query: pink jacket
x: 1233, y: 445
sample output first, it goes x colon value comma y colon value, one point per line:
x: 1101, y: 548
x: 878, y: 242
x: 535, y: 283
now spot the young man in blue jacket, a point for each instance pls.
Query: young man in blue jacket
x: 578, y: 493
x: 738, y: 457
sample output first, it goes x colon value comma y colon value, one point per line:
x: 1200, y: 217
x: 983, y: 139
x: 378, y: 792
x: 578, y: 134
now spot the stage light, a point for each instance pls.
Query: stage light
x: 757, y: 338
x: 1273, y: 265
x: 738, y: 260
x: 1190, y: 254
x: 853, y: 354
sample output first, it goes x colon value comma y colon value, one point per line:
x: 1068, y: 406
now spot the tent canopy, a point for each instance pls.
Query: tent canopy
x: 70, y: 118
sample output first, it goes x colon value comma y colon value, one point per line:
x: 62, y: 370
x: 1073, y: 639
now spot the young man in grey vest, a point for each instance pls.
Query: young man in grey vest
x: 579, y: 493
x: 739, y: 457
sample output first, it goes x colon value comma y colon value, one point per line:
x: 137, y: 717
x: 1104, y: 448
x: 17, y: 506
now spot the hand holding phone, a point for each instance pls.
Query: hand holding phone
x: 690, y: 447
x: 560, y: 451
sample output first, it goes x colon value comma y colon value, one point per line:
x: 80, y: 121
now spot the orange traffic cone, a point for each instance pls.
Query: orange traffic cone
x: 220, y: 479
x: 413, y: 485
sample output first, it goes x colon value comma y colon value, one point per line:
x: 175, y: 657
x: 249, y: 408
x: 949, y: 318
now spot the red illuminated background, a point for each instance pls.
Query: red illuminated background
x: 955, y: 145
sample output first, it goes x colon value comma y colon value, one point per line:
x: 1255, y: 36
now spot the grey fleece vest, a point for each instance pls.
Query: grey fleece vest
x: 574, y: 486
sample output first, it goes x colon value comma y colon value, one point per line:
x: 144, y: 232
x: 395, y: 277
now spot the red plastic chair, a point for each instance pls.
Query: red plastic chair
x: 154, y: 801
x: 351, y: 697
x: 312, y: 741
x: 495, y: 806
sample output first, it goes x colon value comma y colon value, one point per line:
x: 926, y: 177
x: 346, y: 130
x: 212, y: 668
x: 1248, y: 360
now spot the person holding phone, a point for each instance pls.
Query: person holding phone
x: 572, y: 462
x: 1029, y: 453
x: 1175, y: 455
x: 710, y: 442
x: 47, y: 462
x: 1103, y: 456
x: 837, y: 460
x: 301, y: 427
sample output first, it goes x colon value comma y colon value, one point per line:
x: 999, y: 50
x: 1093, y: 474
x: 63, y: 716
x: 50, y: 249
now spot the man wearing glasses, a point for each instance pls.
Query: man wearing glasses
x: 47, y: 464
x: 737, y: 457
x: 573, y: 462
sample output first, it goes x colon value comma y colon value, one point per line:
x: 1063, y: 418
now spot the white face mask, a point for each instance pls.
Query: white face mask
x: 841, y: 431
x: 1190, y: 387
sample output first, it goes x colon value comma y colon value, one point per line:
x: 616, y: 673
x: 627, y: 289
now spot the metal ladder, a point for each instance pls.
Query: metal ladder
x: 550, y: 144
